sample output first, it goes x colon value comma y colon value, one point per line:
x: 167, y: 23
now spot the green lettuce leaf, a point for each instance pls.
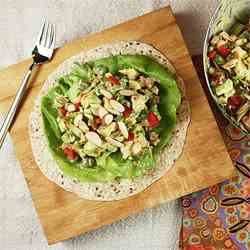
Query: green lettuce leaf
x: 111, y: 166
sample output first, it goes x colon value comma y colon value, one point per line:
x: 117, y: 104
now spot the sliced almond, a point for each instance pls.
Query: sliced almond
x: 123, y: 129
x: 127, y: 92
x: 106, y: 93
x: 114, y: 142
x: 117, y: 106
x: 108, y: 118
x: 94, y: 138
x: 102, y: 112
x: 136, y: 148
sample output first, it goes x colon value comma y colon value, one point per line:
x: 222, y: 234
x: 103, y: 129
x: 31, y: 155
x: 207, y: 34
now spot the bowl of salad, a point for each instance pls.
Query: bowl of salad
x: 226, y: 58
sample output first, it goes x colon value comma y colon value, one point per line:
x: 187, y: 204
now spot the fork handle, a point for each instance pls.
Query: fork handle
x: 16, y: 103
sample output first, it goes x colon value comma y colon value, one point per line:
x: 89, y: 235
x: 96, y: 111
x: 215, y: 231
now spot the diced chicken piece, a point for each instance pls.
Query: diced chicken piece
x: 230, y: 64
x: 138, y: 102
x: 76, y: 131
x: 136, y: 148
x: 83, y: 126
x: 227, y: 37
x: 61, y: 125
x: 241, y: 41
x: 134, y: 84
x: 155, y: 90
x: 107, y: 129
x: 131, y: 73
x: 127, y: 92
x: 241, y: 69
x: 215, y: 40
x: 239, y: 52
x: 126, y: 149
x: 94, y: 138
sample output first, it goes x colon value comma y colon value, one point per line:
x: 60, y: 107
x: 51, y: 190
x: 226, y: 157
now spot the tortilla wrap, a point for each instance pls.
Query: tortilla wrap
x: 116, y: 190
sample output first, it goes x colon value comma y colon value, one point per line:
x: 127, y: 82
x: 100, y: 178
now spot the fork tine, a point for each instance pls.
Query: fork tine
x: 40, y: 35
x: 49, y: 36
x: 45, y: 34
x: 53, y: 39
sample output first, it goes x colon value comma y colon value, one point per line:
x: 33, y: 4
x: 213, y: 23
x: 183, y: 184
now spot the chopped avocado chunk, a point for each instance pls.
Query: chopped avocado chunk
x: 224, y: 88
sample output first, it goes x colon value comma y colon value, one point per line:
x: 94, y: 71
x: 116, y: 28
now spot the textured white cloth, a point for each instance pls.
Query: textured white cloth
x: 154, y: 229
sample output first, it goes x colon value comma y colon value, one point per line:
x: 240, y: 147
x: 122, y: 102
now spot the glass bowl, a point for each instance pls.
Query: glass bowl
x: 225, y: 15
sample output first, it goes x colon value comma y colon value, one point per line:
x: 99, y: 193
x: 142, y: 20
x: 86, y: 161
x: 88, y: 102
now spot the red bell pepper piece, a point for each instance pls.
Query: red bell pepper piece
x: 224, y: 51
x: 70, y: 153
x: 113, y: 80
x: 63, y: 111
x: 77, y: 105
x: 153, y: 120
x: 127, y: 111
x: 131, y: 136
x: 212, y: 55
x: 235, y: 101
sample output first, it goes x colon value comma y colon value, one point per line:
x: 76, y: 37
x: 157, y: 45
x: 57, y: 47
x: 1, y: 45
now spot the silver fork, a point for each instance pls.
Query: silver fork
x: 42, y: 53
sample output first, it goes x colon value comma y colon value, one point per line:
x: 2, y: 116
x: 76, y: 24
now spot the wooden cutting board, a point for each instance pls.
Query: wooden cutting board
x: 203, y: 163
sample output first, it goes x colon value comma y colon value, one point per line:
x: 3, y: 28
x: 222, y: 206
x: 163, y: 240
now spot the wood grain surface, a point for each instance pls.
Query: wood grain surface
x: 203, y: 163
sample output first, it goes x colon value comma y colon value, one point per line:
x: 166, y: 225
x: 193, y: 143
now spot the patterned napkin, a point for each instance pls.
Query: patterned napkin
x: 218, y: 218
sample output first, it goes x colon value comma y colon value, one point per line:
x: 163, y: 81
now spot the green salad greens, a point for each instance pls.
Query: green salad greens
x: 109, y: 119
x: 229, y: 71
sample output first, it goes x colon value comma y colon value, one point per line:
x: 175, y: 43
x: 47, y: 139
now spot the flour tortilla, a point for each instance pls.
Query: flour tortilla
x: 112, y: 190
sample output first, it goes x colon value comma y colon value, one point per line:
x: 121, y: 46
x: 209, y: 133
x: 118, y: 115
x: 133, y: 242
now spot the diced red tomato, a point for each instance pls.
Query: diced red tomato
x: 212, y: 55
x: 63, y: 111
x: 77, y: 105
x: 127, y: 111
x: 153, y: 120
x: 234, y: 101
x: 131, y: 136
x: 224, y: 51
x: 113, y: 80
x: 70, y: 153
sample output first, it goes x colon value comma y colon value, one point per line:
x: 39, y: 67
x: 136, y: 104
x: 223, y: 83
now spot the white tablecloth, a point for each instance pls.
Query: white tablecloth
x: 155, y: 229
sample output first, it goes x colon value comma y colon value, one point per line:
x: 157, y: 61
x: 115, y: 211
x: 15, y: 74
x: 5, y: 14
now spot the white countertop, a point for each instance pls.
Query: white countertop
x: 154, y: 229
